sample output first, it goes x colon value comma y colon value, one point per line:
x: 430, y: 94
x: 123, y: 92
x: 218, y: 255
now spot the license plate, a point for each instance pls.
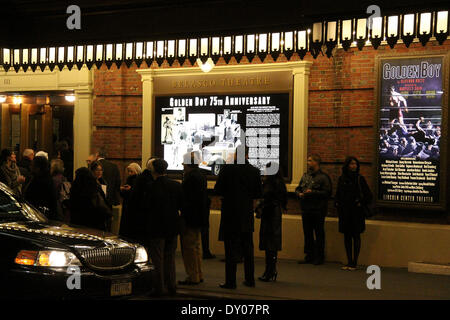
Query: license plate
x: 121, y: 288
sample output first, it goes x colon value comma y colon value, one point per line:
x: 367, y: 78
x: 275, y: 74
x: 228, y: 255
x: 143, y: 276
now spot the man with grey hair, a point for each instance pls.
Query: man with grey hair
x: 25, y: 164
x: 314, y: 190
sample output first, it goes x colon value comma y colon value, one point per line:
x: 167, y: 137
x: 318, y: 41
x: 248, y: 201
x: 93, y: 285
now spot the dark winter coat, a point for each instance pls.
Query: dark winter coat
x: 88, y: 204
x: 128, y: 220
x: 239, y: 185
x: 320, y: 185
x: 40, y: 192
x: 163, y: 202
x: 351, y: 195
x: 274, y: 200
x: 195, y: 204
x: 111, y: 174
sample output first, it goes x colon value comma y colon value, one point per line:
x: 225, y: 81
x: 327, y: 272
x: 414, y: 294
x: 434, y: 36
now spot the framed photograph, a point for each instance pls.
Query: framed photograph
x: 411, y: 136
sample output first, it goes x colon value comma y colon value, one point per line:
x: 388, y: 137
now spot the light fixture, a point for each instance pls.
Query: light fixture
x: 34, y: 59
x: 61, y: 57
x: 99, y: 55
x: 192, y: 51
x: 302, y: 43
x: 2, y: 99
x: 425, y: 23
x: 331, y: 37
x: 80, y: 56
x: 129, y: 54
x: 361, y: 33
x: 288, y: 44
x: 408, y: 29
x: 346, y: 33
x: 262, y: 43
x: 207, y: 66
x: 316, y: 39
x: 238, y: 47
x: 204, y: 49
x: 275, y: 45
x: 441, y: 26
x: 181, y: 51
x: 69, y: 97
x: 109, y: 55
x: 17, y: 100
x: 392, y: 30
x: 226, y: 48
x: 376, y: 33
x: 16, y: 60
x: 51, y: 59
x: 170, y: 52
x: 250, y: 46
x: 215, y: 49
x: 42, y: 58
x: 149, y: 53
x: 90, y: 56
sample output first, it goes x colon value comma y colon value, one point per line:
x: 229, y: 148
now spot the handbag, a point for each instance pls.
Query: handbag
x: 367, y: 209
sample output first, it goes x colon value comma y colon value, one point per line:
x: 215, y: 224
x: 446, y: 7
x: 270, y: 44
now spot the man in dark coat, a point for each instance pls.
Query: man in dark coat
x: 314, y: 190
x: 164, y: 198
x: 138, y: 202
x: 25, y: 164
x: 194, y: 216
x: 239, y: 185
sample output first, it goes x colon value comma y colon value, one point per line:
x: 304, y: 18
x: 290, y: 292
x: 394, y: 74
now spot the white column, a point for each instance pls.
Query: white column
x: 82, y: 127
x: 300, y: 122
x: 147, y: 117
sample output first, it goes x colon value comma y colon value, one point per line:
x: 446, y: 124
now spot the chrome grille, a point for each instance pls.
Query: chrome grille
x: 108, y: 258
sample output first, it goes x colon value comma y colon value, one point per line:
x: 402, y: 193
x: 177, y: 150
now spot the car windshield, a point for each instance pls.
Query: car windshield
x: 13, y: 208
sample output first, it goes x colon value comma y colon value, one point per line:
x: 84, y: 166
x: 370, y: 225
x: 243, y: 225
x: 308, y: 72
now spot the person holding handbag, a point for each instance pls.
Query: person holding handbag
x: 269, y: 210
x: 352, y: 199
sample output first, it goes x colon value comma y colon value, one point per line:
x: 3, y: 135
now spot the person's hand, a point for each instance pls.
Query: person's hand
x: 125, y: 187
x: 21, y: 179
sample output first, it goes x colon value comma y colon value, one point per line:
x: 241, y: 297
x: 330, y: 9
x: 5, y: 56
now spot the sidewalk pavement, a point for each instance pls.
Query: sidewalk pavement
x: 309, y: 282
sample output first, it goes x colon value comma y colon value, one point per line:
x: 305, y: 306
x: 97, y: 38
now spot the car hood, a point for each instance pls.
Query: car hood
x: 61, y: 236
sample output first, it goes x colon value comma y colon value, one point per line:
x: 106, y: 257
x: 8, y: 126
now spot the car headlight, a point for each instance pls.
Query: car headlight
x: 47, y: 258
x: 141, y: 255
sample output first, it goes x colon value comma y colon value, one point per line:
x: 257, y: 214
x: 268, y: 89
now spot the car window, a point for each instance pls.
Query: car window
x: 14, y: 209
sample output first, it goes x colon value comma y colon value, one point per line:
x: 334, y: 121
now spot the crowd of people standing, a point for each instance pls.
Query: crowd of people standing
x: 156, y: 209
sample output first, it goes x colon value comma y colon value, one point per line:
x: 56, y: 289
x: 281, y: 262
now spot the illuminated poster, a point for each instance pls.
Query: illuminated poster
x: 213, y: 126
x: 411, y: 97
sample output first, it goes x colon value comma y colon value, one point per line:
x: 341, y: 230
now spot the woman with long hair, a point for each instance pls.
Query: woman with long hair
x: 88, y: 205
x: 270, y: 210
x: 9, y: 171
x: 352, y: 195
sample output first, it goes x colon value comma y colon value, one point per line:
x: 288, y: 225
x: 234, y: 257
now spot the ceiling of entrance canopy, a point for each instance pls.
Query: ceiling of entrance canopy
x: 29, y: 23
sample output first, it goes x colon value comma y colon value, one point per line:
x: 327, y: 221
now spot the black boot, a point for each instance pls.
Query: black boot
x: 271, y: 272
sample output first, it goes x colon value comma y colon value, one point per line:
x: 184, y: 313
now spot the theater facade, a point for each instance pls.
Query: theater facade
x: 375, y: 87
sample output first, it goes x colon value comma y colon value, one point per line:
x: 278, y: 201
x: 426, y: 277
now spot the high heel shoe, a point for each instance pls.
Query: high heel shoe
x: 269, y: 277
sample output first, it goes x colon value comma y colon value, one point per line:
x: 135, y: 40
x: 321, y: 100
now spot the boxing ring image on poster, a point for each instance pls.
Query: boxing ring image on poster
x: 410, y: 121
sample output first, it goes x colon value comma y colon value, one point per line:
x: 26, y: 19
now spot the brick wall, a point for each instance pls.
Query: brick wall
x: 341, y: 107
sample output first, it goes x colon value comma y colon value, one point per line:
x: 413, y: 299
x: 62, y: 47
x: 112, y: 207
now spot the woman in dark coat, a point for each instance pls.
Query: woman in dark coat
x: 128, y: 221
x: 88, y: 205
x: 270, y: 211
x: 40, y: 191
x: 351, y: 195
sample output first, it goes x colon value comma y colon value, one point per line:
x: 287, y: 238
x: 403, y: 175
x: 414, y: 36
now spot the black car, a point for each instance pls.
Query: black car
x: 40, y: 258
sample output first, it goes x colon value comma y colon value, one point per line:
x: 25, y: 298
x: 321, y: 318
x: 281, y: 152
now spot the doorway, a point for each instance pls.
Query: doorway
x: 42, y: 121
